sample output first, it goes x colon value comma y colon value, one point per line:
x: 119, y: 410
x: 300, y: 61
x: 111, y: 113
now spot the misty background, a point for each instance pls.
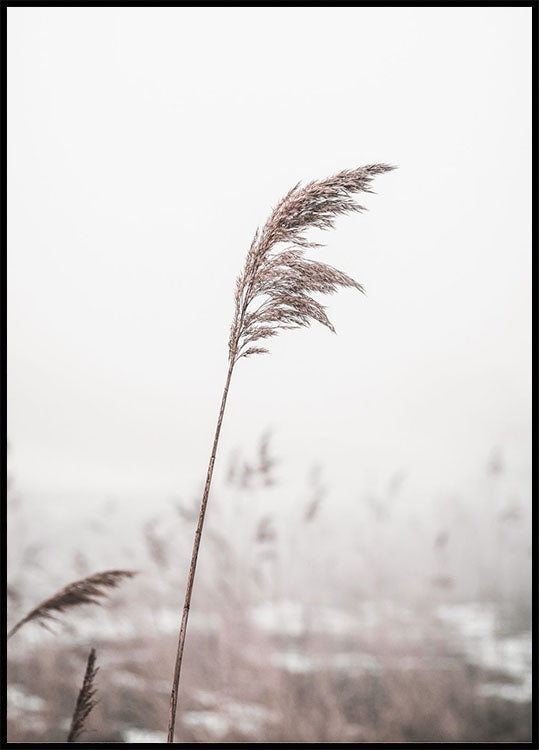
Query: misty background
x: 145, y: 146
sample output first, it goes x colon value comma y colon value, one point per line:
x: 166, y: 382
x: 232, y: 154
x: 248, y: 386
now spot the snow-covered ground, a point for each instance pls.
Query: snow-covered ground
x: 473, y: 628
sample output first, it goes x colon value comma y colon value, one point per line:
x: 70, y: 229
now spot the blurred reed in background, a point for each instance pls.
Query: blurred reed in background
x: 405, y: 622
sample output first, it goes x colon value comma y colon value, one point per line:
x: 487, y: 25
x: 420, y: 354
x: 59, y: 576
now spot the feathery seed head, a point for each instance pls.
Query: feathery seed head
x: 86, y: 700
x: 282, y: 281
x: 86, y: 591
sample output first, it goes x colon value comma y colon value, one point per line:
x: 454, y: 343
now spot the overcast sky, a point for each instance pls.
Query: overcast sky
x: 147, y: 144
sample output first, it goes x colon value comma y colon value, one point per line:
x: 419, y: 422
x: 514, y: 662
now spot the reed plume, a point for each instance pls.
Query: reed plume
x: 86, y: 591
x: 85, y: 701
x: 274, y: 293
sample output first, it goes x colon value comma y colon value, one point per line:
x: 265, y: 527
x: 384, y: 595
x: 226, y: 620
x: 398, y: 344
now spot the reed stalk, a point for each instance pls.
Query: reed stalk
x: 281, y: 281
x: 86, y: 700
x: 90, y: 590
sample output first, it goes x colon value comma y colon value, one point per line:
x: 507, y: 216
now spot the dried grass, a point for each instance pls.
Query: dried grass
x: 282, y: 282
x: 85, y: 701
x: 86, y: 591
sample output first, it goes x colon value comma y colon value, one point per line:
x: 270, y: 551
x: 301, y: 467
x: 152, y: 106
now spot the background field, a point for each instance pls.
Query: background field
x: 307, y: 625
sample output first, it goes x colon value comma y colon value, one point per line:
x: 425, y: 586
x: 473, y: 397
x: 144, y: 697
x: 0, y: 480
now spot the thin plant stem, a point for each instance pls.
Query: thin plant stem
x: 192, y: 568
x: 284, y: 281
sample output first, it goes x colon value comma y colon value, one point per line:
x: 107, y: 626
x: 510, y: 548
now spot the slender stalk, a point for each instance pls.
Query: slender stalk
x: 284, y: 282
x: 192, y: 568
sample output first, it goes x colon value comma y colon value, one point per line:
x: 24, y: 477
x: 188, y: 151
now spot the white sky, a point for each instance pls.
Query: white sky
x: 146, y: 145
